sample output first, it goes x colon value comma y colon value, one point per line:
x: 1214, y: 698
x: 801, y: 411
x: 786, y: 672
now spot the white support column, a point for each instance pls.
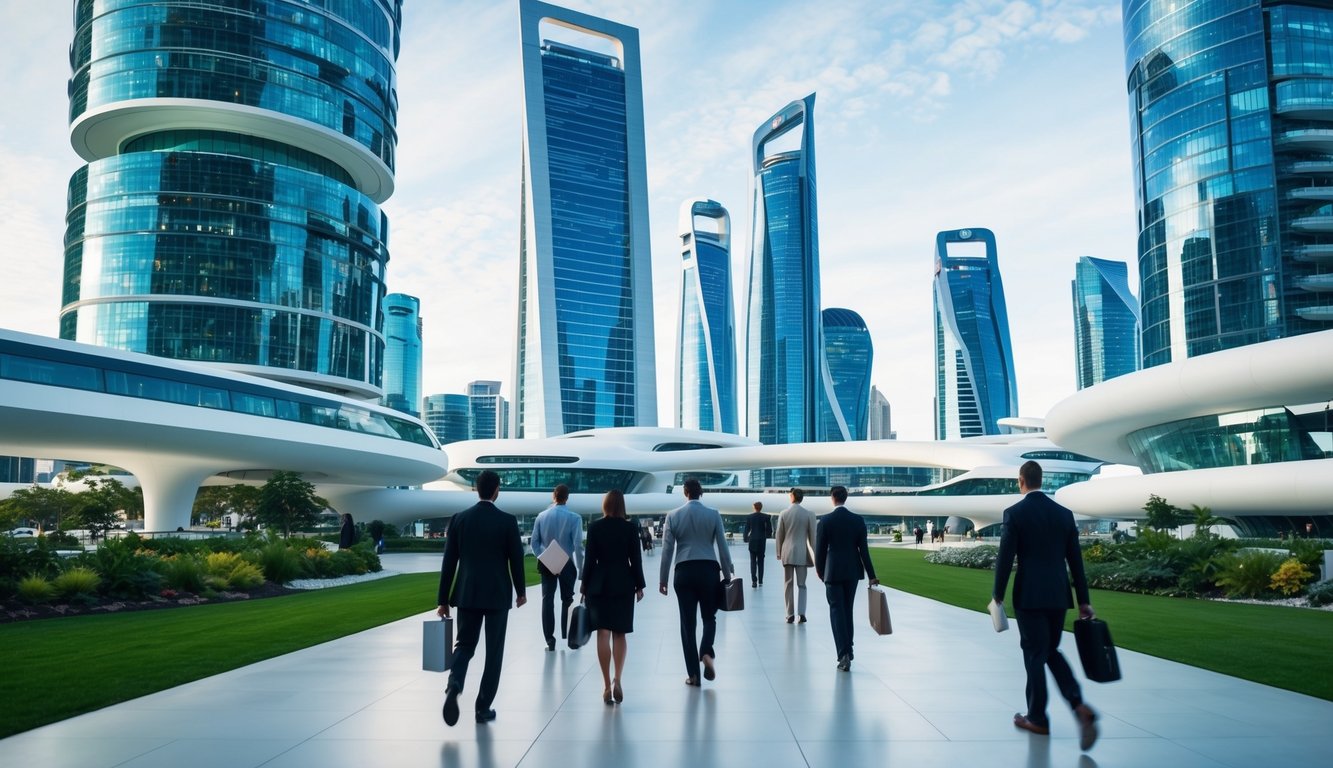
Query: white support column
x: 168, y: 493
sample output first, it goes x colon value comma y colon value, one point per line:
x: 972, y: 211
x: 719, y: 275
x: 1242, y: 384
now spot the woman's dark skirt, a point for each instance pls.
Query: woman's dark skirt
x: 612, y: 612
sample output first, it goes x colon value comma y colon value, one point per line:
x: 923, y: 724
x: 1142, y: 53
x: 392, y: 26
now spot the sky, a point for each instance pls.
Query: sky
x: 930, y: 115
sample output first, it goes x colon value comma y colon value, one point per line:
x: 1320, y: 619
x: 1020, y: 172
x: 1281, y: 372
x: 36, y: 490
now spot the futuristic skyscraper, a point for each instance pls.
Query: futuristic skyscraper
x: 784, y: 365
x: 849, y: 356
x: 706, y: 339
x: 229, y: 211
x: 585, y: 355
x: 1106, y: 321
x: 402, y: 353
x: 1231, y: 113
x: 975, y: 385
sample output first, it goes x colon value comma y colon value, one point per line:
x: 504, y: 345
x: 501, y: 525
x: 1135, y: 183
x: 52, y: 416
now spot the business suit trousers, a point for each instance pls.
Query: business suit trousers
x: 841, y: 597
x: 696, y: 595
x: 757, y: 563
x: 565, y: 580
x: 469, y: 633
x: 1039, y: 634
x: 793, y: 588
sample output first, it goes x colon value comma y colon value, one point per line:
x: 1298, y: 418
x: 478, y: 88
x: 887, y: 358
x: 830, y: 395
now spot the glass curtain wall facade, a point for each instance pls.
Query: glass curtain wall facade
x: 402, y: 353
x: 975, y: 385
x: 585, y: 355
x: 448, y: 416
x: 881, y: 417
x: 1106, y: 321
x: 785, y: 368
x: 1231, y: 111
x: 488, y: 411
x: 849, y: 355
x: 706, y: 339
x: 229, y: 211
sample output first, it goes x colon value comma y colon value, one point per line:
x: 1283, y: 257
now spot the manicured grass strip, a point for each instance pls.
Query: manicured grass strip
x: 58, y: 668
x: 1274, y: 645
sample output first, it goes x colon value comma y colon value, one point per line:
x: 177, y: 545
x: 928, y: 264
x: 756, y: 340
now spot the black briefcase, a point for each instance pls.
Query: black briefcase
x: 580, y: 626
x: 1096, y: 650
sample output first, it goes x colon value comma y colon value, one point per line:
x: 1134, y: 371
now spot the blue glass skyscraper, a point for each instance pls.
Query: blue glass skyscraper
x: 488, y: 411
x: 585, y: 355
x: 975, y: 385
x: 1231, y: 111
x: 1106, y: 321
x: 448, y: 416
x: 229, y: 211
x: 784, y: 348
x: 849, y: 356
x: 402, y: 353
x: 706, y: 338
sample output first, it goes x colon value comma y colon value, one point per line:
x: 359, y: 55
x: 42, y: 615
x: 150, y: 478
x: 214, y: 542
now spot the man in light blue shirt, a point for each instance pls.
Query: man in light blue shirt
x: 693, y: 537
x: 559, y: 524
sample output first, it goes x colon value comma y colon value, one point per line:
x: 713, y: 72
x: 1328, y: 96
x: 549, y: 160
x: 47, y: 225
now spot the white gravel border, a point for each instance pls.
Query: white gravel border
x: 340, y: 581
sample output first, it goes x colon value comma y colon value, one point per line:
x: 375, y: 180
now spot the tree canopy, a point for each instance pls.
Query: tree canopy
x: 287, y: 502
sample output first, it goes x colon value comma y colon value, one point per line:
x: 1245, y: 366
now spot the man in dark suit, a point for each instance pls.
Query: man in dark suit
x: 841, y: 561
x: 758, y: 527
x: 485, y: 550
x: 1043, y: 536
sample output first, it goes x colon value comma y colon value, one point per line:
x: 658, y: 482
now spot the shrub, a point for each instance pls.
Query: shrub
x: 1290, y: 577
x: 279, y: 562
x: 898, y: 537
x: 1309, y: 551
x: 982, y: 556
x: 125, y: 572
x: 1145, y: 576
x: 1098, y: 553
x: 1321, y: 593
x: 222, y: 563
x: 345, y: 562
x: 78, y: 580
x: 245, y: 576
x: 318, y: 563
x: 1249, y: 574
x: 184, y: 573
x: 36, y: 589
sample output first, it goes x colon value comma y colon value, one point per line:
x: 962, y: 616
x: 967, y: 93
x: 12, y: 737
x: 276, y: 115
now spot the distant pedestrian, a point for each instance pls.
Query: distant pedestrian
x: 758, y: 529
x: 842, y: 560
x: 346, y: 531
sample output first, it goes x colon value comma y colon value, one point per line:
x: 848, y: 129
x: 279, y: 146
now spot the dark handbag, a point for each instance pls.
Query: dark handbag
x: 1096, y: 650
x: 580, y: 626
x: 731, y: 595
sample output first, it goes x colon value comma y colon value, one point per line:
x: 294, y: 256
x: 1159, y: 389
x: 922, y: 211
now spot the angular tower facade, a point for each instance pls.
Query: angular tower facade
x: 706, y: 338
x: 784, y: 365
x: 229, y: 211
x: 402, y: 353
x: 881, y: 417
x: 1231, y: 114
x: 489, y: 412
x: 849, y: 356
x: 975, y: 385
x: 1106, y: 321
x: 585, y: 355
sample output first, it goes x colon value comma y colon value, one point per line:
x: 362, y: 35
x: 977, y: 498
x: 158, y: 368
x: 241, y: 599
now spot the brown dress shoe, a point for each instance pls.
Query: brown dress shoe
x: 1087, y: 726
x: 1022, y: 723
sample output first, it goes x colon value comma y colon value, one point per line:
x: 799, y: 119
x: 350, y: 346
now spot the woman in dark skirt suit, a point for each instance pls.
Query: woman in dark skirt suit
x: 612, y: 583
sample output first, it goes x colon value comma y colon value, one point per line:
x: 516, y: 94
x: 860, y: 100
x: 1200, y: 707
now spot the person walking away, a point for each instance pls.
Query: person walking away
x: 483, y: 563
x: 612, y: 583
x: 1043, y: 536
x: 758, y: 529
x: 795, y: 545
x: 694, y: 540
x: 841, y: 561
x: 561, y: 525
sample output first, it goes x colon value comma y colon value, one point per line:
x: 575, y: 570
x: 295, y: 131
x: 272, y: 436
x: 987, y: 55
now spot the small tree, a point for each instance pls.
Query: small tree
x: 1162, y: 515
x: 211, y: 502
x: 1204, y: 521
x: 99, y: 506
x: 287, y: 502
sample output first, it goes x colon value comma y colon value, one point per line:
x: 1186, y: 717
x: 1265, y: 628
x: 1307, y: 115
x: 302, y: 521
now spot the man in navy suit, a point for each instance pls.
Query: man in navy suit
x: 1043, y: 536
x: 485, y: 550
x: 841, y: 561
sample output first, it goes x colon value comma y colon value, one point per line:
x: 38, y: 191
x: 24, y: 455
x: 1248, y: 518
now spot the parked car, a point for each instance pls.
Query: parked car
x: 23, y: 533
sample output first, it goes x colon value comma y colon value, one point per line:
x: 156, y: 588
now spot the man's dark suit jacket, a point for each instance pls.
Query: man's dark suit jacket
x: 485, y: 549
x: 840, y: 547
x: 1043, y: 535
x: 758, y: 529
x: 613, y: 558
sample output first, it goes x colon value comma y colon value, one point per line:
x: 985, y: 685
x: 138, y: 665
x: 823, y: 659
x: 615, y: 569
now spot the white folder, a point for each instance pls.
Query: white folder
x: 554, y: 557
x: 997, y: 617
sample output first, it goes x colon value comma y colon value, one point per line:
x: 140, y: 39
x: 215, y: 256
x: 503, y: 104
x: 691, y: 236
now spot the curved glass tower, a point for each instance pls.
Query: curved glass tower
x: 237, y: 154
x: 975, y: 385
x: 849, y: 355
x: 1106, y: 321
x: 784, y: 348
x: 402, y: 353
x: 448, y: 416
x: 706, y: 339
x: 1231, y: 111
x: 585, y: 318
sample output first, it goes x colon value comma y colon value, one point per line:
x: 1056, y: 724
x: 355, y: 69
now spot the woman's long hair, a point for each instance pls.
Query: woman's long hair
x: 613, y: 505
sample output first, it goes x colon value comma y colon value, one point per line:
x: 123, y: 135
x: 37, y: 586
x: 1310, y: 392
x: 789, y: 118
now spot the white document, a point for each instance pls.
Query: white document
x: 997, y: 617
x: 554, y: 558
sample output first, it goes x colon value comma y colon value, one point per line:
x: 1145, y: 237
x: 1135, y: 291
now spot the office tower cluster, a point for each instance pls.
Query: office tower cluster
x: 480, y: 414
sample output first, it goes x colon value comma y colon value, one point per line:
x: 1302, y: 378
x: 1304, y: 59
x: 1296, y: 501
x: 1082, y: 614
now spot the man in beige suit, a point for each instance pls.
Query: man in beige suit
x: 795, y: 544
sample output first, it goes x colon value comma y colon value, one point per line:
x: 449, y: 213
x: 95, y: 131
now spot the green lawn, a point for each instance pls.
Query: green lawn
x: 58, y: 668
x: 1275, y: 645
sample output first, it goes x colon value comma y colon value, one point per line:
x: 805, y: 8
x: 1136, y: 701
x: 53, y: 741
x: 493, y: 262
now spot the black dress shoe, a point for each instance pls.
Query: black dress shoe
x: 694, y: 681
x: 845, y: 663
x: 485, y: 715
x: 450, y: 706
x: 802, y: 619
x: 709, y: 672
x: 550, y: 645
x: 791, y: 619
